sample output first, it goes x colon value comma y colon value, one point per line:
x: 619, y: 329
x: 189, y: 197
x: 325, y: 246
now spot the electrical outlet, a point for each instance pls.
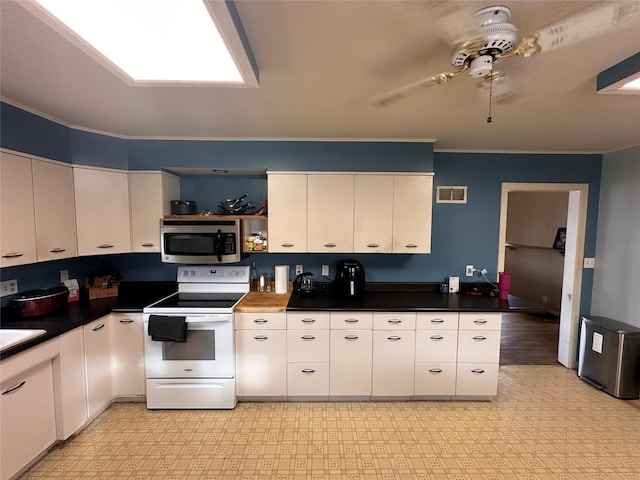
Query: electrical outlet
x: 8, y: 287
x: 589, y: 263
x: 325, y: 270
x: 299, y: 269
x: 469, y: 271
x: 64, y: 275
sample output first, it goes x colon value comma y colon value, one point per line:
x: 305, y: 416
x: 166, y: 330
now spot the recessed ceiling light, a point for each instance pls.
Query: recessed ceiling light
x: 167, y: 41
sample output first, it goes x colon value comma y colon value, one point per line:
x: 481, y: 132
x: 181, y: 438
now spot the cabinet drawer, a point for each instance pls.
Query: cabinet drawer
x: 475, y: 346
x: 437, y: 321
x: 307, y: 320
x: 394, y: 321
x: 480, y: 321
x: 477, y: 379
x: 436, y: 345
x: 307, y: 346
x: 351, y: 320
x: 435, y: 379
x: 272, y: 320
x: 307, y: 379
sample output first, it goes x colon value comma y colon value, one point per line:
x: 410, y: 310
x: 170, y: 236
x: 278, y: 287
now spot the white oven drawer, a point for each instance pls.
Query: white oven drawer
x: 197, y: 393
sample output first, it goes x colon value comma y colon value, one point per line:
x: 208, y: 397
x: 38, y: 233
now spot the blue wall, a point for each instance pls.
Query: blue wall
x: 462, y: 234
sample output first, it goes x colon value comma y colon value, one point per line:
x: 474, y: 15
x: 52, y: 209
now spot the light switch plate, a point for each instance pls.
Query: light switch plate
x: 325, y: 270
x: 298, y: 269
x: 8, y: 287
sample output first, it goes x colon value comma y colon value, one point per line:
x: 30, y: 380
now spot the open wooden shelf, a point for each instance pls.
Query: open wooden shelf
x: 515, y: 246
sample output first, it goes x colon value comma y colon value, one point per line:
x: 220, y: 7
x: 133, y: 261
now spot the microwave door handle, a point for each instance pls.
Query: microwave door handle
x: 219, y: 245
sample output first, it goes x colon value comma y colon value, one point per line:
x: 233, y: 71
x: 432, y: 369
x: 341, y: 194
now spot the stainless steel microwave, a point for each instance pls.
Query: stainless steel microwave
x: 202, y: 241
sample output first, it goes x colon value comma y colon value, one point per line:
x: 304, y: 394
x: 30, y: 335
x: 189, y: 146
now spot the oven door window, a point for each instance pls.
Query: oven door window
x: 200, y: 345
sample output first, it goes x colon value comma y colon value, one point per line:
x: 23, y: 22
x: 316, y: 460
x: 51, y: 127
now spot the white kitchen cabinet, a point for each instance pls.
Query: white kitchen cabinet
x: 55, y: 217
x: 102, y: 211
x: 373, y: 213
x: 127, y: 354
x: 287, y: 212
x: 70, y: 384
x: 27, y: 407
x: 261, y: 355
x: 478, y: 354
x: 436, y: 354
x: 351, y: 351
x: 393, y: 354
x: 18, y: 232
x: 97, y: 342
x: 412, y: 204
x: 308, y: 354
x: 330, y: 213
x: 150, y: 195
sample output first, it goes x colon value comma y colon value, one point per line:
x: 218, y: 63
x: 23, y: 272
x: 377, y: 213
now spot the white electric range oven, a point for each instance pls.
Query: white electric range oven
x: 190, y: 359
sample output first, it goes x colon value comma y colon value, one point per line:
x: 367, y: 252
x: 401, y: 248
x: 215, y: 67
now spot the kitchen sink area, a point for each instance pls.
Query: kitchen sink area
x: 11, y: 337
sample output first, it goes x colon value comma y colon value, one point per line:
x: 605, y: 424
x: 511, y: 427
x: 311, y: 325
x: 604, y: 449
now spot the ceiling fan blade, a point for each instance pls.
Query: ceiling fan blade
x: 585, y: 24
x: 391, y: 96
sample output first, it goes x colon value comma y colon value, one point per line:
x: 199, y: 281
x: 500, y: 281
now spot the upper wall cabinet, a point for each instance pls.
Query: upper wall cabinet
x: 102, y: 211
x: 150, y: 194
x: 17, y: 220
x: 350, y: 212
x: 54, y: 210
x: 287, y: 212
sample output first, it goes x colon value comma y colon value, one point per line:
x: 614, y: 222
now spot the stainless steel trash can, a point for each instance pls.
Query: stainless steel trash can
x: 609, y: 356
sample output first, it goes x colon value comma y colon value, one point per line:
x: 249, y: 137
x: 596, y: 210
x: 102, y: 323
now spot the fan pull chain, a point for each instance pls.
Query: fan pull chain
x: 489, y: 118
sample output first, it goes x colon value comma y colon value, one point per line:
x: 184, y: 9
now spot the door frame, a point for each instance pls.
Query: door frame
x: 573, y: 260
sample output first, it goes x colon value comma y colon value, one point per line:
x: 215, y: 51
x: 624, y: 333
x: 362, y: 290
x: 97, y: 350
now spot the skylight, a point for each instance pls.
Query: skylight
x: 151, y: 41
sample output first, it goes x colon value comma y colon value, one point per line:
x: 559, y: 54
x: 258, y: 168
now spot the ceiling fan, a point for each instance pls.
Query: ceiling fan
x: 494, y: 39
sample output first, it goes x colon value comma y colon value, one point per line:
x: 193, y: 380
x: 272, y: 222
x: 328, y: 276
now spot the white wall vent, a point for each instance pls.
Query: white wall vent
x: 449, y: 194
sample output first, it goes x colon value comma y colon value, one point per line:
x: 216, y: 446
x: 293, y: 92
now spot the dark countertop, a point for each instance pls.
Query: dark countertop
x: 132, y: 297
x: 408, y: 297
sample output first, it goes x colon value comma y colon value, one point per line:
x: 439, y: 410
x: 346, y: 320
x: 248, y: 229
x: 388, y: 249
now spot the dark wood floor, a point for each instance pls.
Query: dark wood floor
x: 528, y: 339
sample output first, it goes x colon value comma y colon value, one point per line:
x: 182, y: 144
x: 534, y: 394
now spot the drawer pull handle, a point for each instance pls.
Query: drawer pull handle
x: 105, y: 245
x: 394, y: 338
x: 330, y: 245
x: 308, y: 337
x: 351, y: 320
x: 351, y: 337
x: 14, y: 388
x: 260, y: 320
x: 480, y: 321
x: 437, y: 320
x: 479, y: 338
x: 261, y: 337
x: 12, y: 255
x: 372, y: 245
x: 394, y: 321
x: 411, y: 245
x: 436, y: 337
x: 308, y: 320
x: 435, y: 370
x: 147, y: 244
x: 99, y: 327
x: 126, y: 321
x: 57, y: 250
x: 286, y: 245
x: 308, y: 370
x: 477, y: 371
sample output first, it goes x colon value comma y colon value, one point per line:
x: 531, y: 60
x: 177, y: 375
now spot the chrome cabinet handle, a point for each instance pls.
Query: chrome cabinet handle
x: 105, y: 245
x: 479, y: 338
x: 394, y: 321
x: 480, y: 321
x: 308, y: 337
x: 147, y: 244
x: 437, y: 320
x: 330, y: 245
x: 286, y: 245
x: 435, y: 370
x: 394, y: 338
x: 261, y: 337
x: 351, y: 320
x: 411, y: 245
x: 57, y: 250
x: 260, y: 320
x: 351, y: 337
x: 308, y: 370
x: 12, y: 255
x: 14, y: 388
x: 477, y: 371
x: 126, y: 321
x: 308, y: 320
x: 99, y: 327
x: 372, y: 245
x: 436, y: 337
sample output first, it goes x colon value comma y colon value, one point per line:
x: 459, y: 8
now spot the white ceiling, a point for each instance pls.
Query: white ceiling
x: 320, y: 62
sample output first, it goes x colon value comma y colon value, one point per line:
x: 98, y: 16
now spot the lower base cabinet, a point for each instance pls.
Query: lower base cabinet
x: 350, y: 363
x: 97, y: 347
x: 27, y: 418
x: 127, y: 355
x: 71, y: 384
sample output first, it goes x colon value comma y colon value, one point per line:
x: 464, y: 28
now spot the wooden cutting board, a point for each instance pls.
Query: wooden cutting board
x: 264, y: 302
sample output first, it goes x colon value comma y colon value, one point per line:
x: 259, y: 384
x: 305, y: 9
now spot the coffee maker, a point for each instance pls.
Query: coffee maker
x: 350, y: 279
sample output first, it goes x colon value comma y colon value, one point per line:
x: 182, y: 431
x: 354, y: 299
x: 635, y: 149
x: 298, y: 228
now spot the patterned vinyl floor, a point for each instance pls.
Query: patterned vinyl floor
x: 545, y: 423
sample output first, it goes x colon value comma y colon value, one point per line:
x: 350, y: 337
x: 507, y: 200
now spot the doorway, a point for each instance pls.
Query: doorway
x: 573, y: 258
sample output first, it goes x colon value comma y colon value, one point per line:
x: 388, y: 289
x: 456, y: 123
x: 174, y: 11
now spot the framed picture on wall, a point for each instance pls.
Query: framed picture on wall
x: 561, y: 236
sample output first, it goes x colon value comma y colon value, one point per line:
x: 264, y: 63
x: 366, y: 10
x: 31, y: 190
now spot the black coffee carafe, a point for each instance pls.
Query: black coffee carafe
x: 350, y: 279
